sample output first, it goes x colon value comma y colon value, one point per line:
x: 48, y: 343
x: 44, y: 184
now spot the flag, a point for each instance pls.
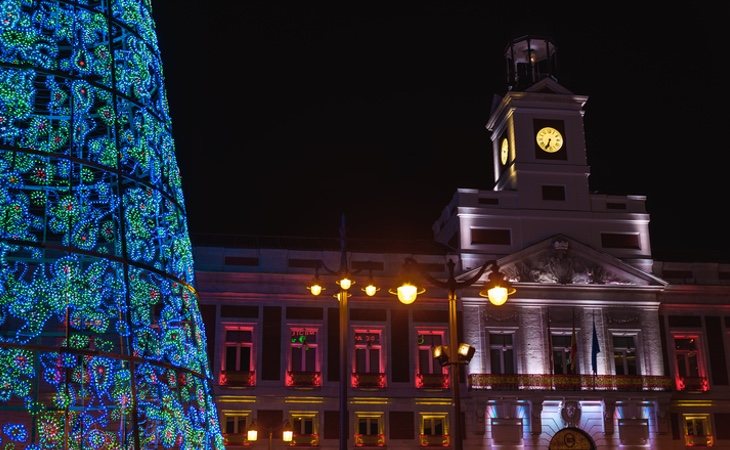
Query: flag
x: 573, y: 364
x: 595, y: 348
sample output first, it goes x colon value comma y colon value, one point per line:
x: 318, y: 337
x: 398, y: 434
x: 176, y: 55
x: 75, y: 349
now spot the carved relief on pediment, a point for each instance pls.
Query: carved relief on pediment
x: 558, y: 265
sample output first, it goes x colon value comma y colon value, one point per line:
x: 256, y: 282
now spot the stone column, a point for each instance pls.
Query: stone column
x: 609, y: 411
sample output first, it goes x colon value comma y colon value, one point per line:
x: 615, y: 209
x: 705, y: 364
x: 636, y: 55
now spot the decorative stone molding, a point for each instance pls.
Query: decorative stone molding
x: 500, y: 316
x: 536, y: 416
x: 609, y: 411
x: 571, y: 413
x: 480, y: 411
x: 622, y: 319
x: 558, y: 265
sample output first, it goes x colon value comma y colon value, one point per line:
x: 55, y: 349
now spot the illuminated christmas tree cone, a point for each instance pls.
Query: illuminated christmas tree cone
x: 102, y: 345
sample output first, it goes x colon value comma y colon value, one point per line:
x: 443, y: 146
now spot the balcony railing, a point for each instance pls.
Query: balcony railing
x: 303, y: 379
x: 368, y: 380
x: 434, y: 440
x: 237, y: 378
x: 519, y: 382
x: 693, y: 384
x: 699, y: 441
x: 305, y: 440
x: 237, y: 439
x: 369, y: 440
x: 432, y: 380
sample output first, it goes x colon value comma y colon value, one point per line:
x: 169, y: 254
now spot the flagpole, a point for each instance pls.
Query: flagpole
x: 550, y: 348
x: 573, y: 349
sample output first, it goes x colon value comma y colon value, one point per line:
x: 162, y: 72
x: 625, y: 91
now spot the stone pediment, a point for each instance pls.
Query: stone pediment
x: 548, y: 86
x: 562, y: 260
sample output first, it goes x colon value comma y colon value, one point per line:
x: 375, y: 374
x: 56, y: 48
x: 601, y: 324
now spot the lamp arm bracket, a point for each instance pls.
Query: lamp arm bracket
x: 478, y: 275
x: 343, y: 269
x: 451, y: 283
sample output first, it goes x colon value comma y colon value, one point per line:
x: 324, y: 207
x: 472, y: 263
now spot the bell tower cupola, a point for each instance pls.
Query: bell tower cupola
x: 530, y: 59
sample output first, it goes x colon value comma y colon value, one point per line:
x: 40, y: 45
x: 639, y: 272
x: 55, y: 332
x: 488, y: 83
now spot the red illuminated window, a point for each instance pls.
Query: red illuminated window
x: 689, y: 364
x: 304, y: 349
x: 238, y: 367
x: 368, y: 351
x: 426, y: 341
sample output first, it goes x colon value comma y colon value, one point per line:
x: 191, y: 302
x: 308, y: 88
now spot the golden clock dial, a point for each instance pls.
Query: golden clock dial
x: 504, y: 151
x: 549, y: 139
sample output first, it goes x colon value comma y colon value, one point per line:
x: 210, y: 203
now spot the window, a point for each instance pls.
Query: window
x: 368, y: 370
x: 238, y: 358
x: 697, y: 430
x: 427, y: 340
x: 305, y: 427
x: 429, y: 372
x: 235, y: 426
x: 689, y: 365
x: 617, y: 240
x: 368, y: 351
x: 434, y: 430
x: 561, y: 353
x: 491, y: 236
x: 624, y: 355
x: 303, y: 347
x: 553, y: 193
x: 501, y: 353
x: 370, y: 431
x: 239, y: 349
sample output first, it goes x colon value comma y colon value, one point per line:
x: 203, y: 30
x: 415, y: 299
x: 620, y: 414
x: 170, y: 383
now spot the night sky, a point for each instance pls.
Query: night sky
x: 287, y: 116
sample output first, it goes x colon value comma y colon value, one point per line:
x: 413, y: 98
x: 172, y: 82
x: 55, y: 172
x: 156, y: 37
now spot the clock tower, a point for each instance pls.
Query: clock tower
x: 541, y: 173
x: 537, y: 129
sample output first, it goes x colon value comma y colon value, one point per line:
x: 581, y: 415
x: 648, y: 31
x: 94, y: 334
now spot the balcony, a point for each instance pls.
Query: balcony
x: 303, y: 379
x: 522, y: 382
x: 305, y: 440
x: 237, y: 378
x: 368, y: 380
x: 698, y: 441
x: 235, y: 440
x: 369, y: 440
x: 434, y: 440
x: 692, y: 384
x: 432, y: 381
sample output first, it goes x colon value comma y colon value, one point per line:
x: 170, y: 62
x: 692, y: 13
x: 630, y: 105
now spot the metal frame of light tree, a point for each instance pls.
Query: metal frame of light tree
x: 101, y: 341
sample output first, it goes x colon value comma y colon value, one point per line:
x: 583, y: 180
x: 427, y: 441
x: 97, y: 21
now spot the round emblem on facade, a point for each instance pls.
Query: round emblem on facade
x: 571, y: 439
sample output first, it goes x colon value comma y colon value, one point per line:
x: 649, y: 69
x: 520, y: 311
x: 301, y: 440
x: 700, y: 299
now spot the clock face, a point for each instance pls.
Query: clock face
x: 549, y: 139
x: 504, y: 151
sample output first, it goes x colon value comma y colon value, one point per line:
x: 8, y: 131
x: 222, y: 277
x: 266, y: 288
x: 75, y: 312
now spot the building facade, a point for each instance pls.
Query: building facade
x: 601, y: 347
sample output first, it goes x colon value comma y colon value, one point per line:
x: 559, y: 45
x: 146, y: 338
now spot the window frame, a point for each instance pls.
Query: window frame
x: 565, y: 350
x: 700, y: 355
x: 503, y: 348
x: 368, y: 347
x: 238, y: 345
x: 302, y: 417
x: 707, y: 438
x: 308, y: 330
x: 634, y: 335
x: 427, y: 346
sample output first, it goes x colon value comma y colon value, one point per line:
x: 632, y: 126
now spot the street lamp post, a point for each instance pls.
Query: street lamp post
x: 345, y: 282
x: 497, y: 289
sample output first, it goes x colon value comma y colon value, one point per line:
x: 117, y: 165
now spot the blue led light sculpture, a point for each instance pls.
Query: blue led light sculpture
x: 102, y: 345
